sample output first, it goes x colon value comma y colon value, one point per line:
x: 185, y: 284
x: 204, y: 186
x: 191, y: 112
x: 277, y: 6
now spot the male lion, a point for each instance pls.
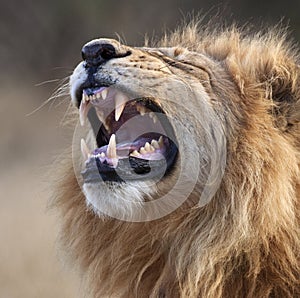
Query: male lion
x: 189, y: 181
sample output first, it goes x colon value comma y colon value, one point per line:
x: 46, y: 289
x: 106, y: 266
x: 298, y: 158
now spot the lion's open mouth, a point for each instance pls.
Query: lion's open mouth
x: 134, y: 137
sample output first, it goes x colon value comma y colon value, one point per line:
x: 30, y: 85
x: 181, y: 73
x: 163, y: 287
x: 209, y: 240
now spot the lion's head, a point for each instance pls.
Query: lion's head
x: 189, y: 166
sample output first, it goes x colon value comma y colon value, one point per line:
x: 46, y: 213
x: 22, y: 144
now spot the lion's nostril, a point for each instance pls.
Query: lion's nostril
x: 97, y: 53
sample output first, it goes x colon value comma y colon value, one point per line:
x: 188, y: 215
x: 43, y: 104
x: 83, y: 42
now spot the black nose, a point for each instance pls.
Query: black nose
x: 97, y: 53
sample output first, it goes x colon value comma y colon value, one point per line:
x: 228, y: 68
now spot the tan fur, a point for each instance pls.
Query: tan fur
x: 245, y: 242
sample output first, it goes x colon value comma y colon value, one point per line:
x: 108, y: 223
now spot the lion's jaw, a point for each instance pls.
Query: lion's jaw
x: 196, y: 139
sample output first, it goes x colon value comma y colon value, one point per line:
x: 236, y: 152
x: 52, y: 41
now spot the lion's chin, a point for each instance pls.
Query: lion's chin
x: 118, y: 200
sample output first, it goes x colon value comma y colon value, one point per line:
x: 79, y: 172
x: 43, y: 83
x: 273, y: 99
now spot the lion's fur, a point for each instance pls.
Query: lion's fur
x: 246, y: 241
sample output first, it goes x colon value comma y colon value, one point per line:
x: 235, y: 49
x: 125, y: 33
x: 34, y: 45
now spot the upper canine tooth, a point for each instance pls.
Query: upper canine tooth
x: 86, y: 153
x: 98, y: 95
x: 104, y: 93
x: 83, y: 110
x: 112, y: 147
x: 100, y: 115
x: 120, y: 101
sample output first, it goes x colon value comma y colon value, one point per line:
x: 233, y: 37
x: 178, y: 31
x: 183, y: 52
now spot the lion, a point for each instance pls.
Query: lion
x: 188, y: 183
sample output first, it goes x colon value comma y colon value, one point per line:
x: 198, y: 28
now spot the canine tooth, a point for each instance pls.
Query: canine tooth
x: 104, y: 93
x: 135, y: 153
x: 85, y: 150
x: 83, y: 111
x: 98, y: 95
x: 155, y: 144
x: 143, y: 150
x: 120, y: 101
x: 112, y: 147
x: 102, y: 154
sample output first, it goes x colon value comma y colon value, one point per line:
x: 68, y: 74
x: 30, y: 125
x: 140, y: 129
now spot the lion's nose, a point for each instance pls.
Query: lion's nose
x: 97, y: 52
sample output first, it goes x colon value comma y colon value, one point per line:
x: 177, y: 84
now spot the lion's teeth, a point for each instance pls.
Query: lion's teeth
x: 100, y: 115
x: 85, y: 97
x: 134, y: 153
x: 98, y: 95
x: 102, y: 154
x: 86, y: 153
x: 143, y: 150
x: 155, y: 144
x: 160, y: 141
x: 147, y: 146
x: 104, y: 93
x: 83, y: 110
x: 120, y: 101
x: 112, y: 147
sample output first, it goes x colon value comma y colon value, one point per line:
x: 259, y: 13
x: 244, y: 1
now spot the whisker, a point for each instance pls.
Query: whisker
x: 47, y: 82
x: 59, y: 92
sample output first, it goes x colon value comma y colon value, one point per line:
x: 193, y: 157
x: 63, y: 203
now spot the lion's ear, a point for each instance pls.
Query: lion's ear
x: 282, y: 79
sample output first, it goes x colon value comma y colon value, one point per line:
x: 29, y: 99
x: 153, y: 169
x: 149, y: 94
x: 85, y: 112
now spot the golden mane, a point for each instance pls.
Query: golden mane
x: 246, y: 241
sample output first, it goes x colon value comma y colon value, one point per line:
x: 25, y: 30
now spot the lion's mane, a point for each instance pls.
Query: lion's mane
x: 246, y: 241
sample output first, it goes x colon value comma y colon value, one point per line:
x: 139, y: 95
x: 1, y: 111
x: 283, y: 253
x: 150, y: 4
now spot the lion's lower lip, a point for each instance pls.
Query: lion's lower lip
x: 128, y: 169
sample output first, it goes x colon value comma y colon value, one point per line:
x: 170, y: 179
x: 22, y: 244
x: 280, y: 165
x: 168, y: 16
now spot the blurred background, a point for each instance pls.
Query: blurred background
x: 40, y: 43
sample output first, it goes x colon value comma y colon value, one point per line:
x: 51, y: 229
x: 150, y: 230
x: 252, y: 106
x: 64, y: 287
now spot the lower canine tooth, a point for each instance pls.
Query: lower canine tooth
x: 86, y: 153
x: 112, y: 147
